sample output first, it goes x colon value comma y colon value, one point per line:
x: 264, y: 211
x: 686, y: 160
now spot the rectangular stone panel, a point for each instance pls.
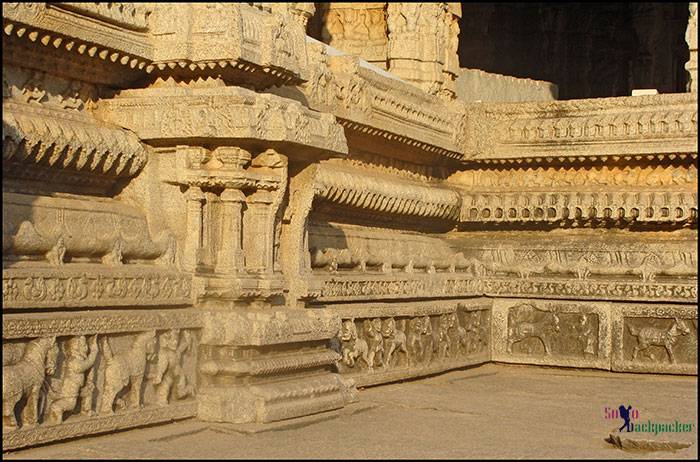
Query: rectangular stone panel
x: 659, y: 338
x: 72, y: 374
x: 385, y: 342
x: 551, y: 332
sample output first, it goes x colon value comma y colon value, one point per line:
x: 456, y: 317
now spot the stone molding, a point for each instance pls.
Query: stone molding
x: 224, y: 113
x: 623, y: 127
x: 371, y: 102
x: 61, y: 140
x: 20, y: 325
x: 162, y: 41
x: 93, y: 426
x: 240, y: 328
x: 89, y: 286
x: 446, y: 285
x: 384, y: 194
x: 641, y: 206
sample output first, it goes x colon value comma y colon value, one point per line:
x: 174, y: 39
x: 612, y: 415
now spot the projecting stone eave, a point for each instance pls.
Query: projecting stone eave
x: 225, y: 116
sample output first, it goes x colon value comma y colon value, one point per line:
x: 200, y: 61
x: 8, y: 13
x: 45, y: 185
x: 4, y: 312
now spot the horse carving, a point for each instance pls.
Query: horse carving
x: 26, y: 378
x: 124, y: 369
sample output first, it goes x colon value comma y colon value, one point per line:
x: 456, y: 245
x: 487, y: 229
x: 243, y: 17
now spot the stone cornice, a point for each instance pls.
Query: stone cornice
x: 370, y: 102
x: 37, y: 137
x: 579, y: 130
x: 223, y: 114
x: 142, y: 39
x: 385, y: 194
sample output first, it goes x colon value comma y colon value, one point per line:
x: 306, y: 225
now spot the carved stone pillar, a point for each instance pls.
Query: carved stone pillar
x: 451, y: 69
x: 420, y: 40
x: 195, y: 201
x: 691, y: 37
x: 356, y: 28
x: 257, y: 233
x: 230, y: 256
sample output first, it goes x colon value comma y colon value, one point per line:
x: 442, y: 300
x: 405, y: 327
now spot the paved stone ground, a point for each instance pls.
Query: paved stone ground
x: 491, y: 411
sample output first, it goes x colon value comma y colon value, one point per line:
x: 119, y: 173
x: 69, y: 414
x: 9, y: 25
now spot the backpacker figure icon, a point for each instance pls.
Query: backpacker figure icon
x: 625, y: 414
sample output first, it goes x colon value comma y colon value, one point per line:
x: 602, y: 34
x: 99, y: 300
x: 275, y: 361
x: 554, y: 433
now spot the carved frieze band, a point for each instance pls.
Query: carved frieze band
x: 655, y: 338
x: 611, y: 256
x: 622, y: 126
x: 659, y: 338
x: 564, y: 333
x: 89, y: 382
x: 92, y: 322
x: 373, y: 102
x: 93, y: 286
x: 164, y: 41
x: 125, y: 14
x: 443, y: 285
x: 60, y: 30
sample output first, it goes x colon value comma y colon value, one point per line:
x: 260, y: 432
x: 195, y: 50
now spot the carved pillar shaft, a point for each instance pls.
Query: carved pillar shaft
x: 258, y: 232
x: 418, y: 42
x: 193, y: 244
x: 230, y: 256
x: 691, y: 37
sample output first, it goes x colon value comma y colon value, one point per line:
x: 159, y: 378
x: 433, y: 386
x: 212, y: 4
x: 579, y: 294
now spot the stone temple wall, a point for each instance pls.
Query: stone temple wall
x: 208, y: 214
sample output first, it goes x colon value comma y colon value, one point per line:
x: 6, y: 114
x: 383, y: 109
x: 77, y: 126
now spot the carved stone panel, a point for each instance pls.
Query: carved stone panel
x: 71, y: 375
x: 384, y: 342
x: 655, y: 338
x: 556, y: 333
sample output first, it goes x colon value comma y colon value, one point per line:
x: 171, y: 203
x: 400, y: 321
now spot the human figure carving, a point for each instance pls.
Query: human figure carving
x: 395, y: 337
x: 168, y: 369
x: 473, y: 328
x: 415, y: 339
x: 462, y: 340
x: 26, y: 378
x: 373, y: 329
x: 56, y: 255
x: 443, y: 340
x: 126, y: 369
x: 653, y: 336
x: 431, y: 342
x: 519, y: 330
x: 586, y: 335
x: 77, y: 362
